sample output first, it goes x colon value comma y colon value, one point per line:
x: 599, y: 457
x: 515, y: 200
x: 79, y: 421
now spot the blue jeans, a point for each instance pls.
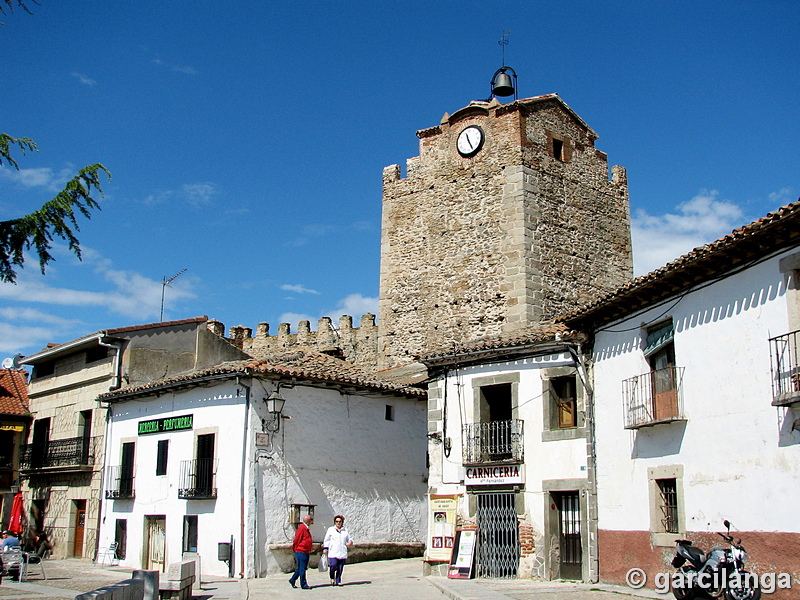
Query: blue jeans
x: 302, y: 567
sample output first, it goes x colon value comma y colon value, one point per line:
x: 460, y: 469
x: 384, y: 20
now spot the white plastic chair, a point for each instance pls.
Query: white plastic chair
x: 108, y: 554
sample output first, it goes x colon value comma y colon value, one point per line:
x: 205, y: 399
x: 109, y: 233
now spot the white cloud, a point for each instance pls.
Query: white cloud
x: 30, y: 314
x: 195, y: 194
x: 293, y: 319
x: 84, y: 79
x: 13, y: 338
x: 354, y: 305
x: 42, y: 177
x: 176, y: 68
x: 130, y: 293
x: 660, y: 239
x: 298, y: 289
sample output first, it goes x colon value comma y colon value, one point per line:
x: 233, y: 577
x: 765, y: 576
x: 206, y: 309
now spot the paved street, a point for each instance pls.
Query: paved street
x: 381, y: 580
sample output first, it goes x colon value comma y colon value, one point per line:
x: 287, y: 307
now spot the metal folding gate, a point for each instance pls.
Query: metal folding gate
x: 569, y: 513
x: 498, y: 535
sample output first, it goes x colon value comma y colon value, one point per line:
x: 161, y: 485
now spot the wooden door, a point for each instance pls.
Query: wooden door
x: 155, y: 543
x: 80, y: 526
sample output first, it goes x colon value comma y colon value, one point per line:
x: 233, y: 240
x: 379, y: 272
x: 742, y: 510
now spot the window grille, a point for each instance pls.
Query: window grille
x: 668, y: 503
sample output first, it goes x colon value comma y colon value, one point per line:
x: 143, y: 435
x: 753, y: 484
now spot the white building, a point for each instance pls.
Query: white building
x: 199, y: 460
x: 697, y: 401
x: 510, y: 455
x: 61, y: 465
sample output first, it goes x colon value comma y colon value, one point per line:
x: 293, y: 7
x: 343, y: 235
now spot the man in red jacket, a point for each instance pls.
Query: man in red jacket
x: 302, y: 548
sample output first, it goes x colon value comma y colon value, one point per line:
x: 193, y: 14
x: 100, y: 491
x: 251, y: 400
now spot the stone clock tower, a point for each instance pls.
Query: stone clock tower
x: 506, y: 218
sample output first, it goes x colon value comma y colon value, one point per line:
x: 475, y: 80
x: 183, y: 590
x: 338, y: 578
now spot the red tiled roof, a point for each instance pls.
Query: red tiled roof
x: 524, y: 338
x: 742, y: 247
x: 14, y: 392
x: 301, y: 364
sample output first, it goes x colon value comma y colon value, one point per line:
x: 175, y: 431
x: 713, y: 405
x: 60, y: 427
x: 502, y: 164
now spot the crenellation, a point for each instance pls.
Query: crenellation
x: 358, y: 345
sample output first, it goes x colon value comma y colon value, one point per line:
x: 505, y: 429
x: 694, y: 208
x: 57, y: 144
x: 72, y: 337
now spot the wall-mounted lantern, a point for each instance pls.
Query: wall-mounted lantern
x: 274, y: 404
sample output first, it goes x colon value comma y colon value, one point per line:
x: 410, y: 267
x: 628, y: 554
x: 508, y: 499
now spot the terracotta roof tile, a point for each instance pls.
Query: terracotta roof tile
x: 528, y: 336
x: 302, y: 364
x: 14, y: 392
x: 775, y: 232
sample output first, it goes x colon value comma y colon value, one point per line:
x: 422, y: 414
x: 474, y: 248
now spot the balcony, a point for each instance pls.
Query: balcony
x: 785, y: 369
x: 69, y: 454
x: 654, y: 397
x: 493, y: 442
x: 198, y: 479
x: 119, y: 483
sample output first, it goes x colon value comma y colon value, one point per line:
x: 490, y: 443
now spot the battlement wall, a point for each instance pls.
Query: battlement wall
x: 357, y: 345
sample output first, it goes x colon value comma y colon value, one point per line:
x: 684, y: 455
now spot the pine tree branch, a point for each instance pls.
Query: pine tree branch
x: 56, y: 218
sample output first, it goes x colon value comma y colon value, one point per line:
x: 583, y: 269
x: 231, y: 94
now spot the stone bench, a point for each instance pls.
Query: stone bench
x: 177, y: 582
x: 130, y: 589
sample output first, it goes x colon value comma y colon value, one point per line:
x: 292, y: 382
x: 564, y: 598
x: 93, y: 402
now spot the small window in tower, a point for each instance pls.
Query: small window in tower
x: 558, y: 149
x: 389, y: 415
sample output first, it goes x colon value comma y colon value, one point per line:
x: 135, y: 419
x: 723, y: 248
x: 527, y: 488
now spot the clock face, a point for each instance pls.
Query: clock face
x: 470, y: 141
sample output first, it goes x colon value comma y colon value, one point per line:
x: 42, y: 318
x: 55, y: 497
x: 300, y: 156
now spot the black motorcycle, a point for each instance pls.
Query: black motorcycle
x: 719, y: 572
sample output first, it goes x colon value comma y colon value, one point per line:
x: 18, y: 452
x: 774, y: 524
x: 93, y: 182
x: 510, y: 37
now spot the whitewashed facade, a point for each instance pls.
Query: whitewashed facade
x: 712, y: 431
x: 341, y: 445
x: 511, y: 462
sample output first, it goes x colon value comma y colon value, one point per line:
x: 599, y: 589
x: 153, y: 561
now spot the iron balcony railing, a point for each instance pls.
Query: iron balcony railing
x: 495, y: 441
x: 119, y: 483
x: 69, y: 452
x: 785, y: 363
x: 653, y: 397
x: 198, y: 479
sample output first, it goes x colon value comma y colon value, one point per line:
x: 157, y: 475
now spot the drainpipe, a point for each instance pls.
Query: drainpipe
x: 107, y: 435
x: 576, y: 350
x: 117, y: 362
x: 245, y: 438
x: 106, y: 438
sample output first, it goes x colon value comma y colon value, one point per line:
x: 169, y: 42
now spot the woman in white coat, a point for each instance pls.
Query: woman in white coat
x: 337, y: 541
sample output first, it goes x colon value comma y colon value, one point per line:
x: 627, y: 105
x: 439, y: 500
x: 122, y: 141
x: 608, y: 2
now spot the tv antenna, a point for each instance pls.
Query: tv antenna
x: 164, y: 283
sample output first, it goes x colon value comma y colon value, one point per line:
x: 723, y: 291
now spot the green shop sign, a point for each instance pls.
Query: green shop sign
x: 163, y: 425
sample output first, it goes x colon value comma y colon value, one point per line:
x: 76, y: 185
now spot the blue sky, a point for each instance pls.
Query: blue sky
x: 247, y: 139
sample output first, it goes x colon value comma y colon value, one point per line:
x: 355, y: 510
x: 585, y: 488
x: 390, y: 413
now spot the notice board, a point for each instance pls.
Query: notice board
x: 463, y: 558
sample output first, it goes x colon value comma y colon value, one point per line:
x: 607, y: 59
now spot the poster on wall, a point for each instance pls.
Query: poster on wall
x: 463, y: 556
x: 441, y: 526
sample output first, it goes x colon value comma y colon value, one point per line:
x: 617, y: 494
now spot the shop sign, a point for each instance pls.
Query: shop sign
x: 12, y: 427
x: 166, y: 425
x: 499, y: 474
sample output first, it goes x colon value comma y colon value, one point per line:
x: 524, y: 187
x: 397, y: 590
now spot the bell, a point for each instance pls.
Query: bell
x: 502, y: 85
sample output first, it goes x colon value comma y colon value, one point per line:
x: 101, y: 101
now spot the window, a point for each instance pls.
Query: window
x: 126, y: 470
x: 95, y: 354
x: 161, y: 457
x: 389, y: 416
x: 205, y: 462
x: 668, y: 504
x: 558, y: 149
x: 40, y: 443
x: 298, y: 511
x: 121, y: 537
x: 44, y: 369
x: 85, y: 433
x: 495, y: 403
x: 660, y: 353
x: 190, y: 533
x: 565, y: 409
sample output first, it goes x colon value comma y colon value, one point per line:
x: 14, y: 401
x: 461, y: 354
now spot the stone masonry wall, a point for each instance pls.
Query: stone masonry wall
x: 358, y: 345
x: 524, y: 230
